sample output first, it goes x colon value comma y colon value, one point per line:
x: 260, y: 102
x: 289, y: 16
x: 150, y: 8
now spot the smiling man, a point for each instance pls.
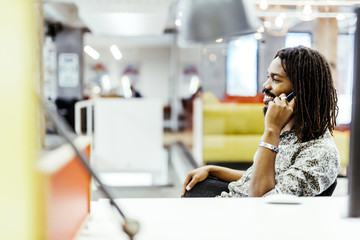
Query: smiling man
x: 296, y: 154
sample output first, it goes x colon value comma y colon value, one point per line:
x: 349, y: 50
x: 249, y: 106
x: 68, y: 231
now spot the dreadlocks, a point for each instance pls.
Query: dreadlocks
x: 316, y: 100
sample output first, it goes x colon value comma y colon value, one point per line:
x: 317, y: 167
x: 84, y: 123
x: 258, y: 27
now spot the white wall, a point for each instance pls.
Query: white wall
x: 153, y: 64
x: 213, y: 69
x: 186, y: 56
x: 155, y: 73
x: 153, y: 60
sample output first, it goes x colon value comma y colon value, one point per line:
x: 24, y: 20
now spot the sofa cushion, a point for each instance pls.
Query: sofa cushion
x: 342, y: 141
x: 231, y: 118
x: 230, y: 148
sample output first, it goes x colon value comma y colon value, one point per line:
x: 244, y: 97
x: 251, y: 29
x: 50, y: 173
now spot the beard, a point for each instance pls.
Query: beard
x: 267, y: 92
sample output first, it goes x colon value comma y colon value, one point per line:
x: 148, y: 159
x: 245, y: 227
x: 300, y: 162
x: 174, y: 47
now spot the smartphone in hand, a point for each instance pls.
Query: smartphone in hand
x: 290, y: 96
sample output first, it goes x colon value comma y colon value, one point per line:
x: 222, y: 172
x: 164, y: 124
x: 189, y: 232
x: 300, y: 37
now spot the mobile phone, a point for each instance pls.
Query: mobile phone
x: 290, y: 96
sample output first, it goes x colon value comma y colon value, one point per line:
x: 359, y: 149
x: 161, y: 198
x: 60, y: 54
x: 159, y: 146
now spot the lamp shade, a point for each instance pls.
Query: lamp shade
x: 204, y: 21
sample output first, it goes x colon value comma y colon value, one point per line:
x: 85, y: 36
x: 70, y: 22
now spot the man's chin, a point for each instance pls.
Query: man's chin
x: 265, y: 110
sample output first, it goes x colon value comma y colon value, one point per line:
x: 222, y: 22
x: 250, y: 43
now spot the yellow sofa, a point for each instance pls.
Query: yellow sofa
x: 232, y: 132
x: 342, y: 141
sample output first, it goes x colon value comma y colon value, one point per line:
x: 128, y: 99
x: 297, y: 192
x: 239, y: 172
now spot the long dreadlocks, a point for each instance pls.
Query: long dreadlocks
x: 316, y: 99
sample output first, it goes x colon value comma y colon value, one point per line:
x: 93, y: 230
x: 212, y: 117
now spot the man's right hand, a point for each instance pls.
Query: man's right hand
x: 193, y: 177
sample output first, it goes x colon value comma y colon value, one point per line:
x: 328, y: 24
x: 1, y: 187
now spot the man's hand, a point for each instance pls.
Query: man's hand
x: 279, y: 113
x: 193, y: 177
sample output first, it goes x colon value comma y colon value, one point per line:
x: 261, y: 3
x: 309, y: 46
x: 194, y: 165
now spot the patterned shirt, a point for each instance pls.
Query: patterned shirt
x: 301, y: 168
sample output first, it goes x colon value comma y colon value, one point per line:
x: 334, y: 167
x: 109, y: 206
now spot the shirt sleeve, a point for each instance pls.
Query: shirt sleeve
x: 315, y: 169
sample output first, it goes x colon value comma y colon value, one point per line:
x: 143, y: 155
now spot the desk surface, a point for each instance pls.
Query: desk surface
x: 240, y: 218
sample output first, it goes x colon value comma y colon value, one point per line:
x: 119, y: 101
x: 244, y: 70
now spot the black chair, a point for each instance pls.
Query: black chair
x: 328, y: 192
x: 66, y: 108
x: 212, y: 187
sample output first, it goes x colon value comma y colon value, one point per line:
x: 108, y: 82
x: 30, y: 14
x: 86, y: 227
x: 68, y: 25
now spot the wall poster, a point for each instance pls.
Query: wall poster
x: 68, y: 70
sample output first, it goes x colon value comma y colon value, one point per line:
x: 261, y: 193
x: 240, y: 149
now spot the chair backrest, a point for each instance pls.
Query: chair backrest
x: 328, y: 192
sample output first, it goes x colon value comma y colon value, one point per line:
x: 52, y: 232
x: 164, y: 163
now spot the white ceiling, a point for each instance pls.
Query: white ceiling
x: 125, y: 18
x: 128, y: 41
x: 151, y: 17
x: 112, y: 17
x: 63, y: 11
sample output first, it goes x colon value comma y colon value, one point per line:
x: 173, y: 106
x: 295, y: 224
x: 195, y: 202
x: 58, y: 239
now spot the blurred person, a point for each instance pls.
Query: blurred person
x: 296, y: 154
x: 135, y: 93
x: 188, y: 106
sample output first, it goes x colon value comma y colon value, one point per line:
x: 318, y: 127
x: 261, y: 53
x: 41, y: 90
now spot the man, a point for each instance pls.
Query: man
x: 296, y: 154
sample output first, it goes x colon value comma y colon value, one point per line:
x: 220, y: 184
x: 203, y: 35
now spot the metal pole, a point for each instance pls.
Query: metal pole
x: 174, y: 85
x: 354, y: 164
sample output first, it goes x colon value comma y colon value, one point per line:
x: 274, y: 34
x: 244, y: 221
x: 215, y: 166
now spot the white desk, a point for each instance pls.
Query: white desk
x: 242, y: 218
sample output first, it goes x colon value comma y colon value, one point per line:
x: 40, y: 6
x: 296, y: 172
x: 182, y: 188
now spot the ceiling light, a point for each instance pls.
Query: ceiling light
x: 115, y: 52
x: 178, y: 22
x: 340, y: 16
x: 204, y: 51
x: 212, y: 57
x: 263, y: 4
x: 307, y: 10
x: 258, y: 36
x: 279, y: 22
x: 277, y: 26
x: 267, y: 24
x: 219, y: 40
x: 123, y: 18
x: 96, y: 89
x: 91, y: 52
x: 261, y: 29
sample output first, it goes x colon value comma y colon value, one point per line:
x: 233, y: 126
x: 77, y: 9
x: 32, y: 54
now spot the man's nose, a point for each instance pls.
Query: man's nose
x: 266, y: 84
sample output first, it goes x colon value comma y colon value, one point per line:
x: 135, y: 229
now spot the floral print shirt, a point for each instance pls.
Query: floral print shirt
x: 301, y: 168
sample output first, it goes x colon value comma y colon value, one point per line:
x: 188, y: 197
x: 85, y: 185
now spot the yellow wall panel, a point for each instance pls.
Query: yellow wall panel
x: 21, y: 202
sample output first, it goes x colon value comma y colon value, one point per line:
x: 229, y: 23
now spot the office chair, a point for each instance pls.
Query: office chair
x: 328, y: 192
x: 212, y: 187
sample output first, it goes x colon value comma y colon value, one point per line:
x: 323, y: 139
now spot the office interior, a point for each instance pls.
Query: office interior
x: 143, y: 105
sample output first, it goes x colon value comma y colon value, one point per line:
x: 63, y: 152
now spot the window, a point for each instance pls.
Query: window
x: 241, y: 67
x: 293, y: 39
x: 345, y: 69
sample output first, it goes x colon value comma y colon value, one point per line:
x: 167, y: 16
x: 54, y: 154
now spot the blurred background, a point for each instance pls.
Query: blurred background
x: 144, y: 105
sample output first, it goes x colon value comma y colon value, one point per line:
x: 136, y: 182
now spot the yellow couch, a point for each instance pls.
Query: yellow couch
x: 342, y: 141
x: 232, y: 132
